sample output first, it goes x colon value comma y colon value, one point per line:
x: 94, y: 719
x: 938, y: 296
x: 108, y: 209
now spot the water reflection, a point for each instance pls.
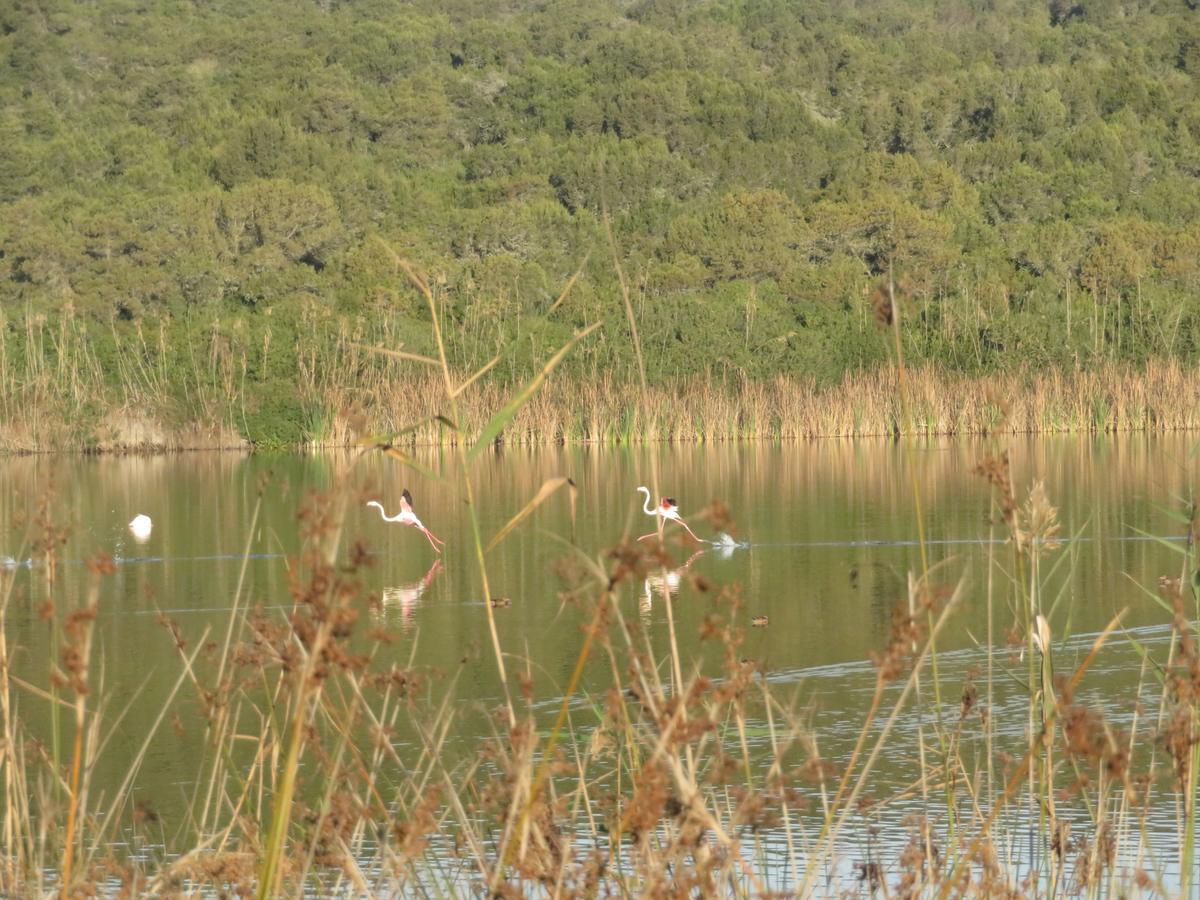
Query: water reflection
x: 832, y: 530
x: 665, y: 582
x: 398, y: 605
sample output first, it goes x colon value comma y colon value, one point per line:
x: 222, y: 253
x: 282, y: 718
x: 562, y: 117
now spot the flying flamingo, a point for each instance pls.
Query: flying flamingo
x: 406, y: 516
x: 668, y: 509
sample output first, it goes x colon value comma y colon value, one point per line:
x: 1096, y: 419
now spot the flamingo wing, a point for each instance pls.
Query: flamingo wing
x: 406, y: 501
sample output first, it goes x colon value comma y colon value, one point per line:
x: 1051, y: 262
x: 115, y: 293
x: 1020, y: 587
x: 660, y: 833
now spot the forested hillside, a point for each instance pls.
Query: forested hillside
x: 196, y: 196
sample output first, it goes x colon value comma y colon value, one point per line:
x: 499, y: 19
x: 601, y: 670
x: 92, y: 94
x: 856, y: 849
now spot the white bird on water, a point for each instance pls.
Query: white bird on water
x: 140, y: 527
x: 406, y: 516
x: 669, y: 510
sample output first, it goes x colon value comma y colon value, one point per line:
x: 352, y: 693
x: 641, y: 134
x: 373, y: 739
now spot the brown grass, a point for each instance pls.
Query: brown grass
x: 60, y: 399
x: 601, y: 410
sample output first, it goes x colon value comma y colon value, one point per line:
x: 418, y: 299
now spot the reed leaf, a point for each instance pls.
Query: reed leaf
x: 479, y: 372
x: 570, y: 284
x: 397, y: 354
x: 1099, y: 642
x: 388, y: 446
x: 382, y: 442
x: 493, y: 428
x: 1153, y: 595
x: 1173, y: 545
x: 547, y: 488
x: 1156, y: 668
x: 409, y: 461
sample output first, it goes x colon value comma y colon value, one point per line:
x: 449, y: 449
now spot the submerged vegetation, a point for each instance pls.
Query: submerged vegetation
x: 191, y: 195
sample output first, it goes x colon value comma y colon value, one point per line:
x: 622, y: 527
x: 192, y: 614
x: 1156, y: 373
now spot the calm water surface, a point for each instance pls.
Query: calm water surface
x: 831, y: 527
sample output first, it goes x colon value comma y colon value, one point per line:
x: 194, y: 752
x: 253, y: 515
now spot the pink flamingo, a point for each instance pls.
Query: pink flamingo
x: 406, y: 516
x: 668, y: 509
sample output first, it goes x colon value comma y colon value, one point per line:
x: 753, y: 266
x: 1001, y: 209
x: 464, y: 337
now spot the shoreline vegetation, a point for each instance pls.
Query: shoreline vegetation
x: 647, y: 783
x: 658, y: 775
x: 401, y: 408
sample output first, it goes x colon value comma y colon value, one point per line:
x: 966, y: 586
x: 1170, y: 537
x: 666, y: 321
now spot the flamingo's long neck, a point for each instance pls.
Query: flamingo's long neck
x: 382, y: 512
x: 647, y: 509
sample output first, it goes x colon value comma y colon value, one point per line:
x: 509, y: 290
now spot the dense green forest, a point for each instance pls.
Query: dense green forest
x: 190, y: 182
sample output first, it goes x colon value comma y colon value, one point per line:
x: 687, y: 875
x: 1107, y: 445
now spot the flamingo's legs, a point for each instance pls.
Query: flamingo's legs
x: 689, y: 531
x: 681, y: 522
x: 429, y: 536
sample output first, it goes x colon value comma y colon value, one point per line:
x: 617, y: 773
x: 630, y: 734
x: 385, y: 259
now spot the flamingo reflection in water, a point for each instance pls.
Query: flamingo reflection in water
x: 398, y: 605
x: 665, y: 582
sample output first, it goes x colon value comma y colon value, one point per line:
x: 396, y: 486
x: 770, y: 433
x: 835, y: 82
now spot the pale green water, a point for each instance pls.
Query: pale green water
x: 831, y: 527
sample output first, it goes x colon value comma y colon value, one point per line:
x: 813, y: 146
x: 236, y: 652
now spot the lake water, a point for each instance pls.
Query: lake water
x: 831, y: 529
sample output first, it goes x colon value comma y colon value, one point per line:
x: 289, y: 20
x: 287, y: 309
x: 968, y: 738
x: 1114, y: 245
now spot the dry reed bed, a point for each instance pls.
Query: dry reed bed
x: 1162, y: 397
x: 59, y: 396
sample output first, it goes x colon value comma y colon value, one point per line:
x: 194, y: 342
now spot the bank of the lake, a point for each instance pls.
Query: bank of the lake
x: 363, y: 399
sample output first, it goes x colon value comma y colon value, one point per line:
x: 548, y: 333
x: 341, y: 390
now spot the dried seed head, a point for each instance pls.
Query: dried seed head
x: 1040, y: 519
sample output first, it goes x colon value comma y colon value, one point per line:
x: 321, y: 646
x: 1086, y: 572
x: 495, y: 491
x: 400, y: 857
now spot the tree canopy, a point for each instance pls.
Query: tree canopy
x: 1020, y: 164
